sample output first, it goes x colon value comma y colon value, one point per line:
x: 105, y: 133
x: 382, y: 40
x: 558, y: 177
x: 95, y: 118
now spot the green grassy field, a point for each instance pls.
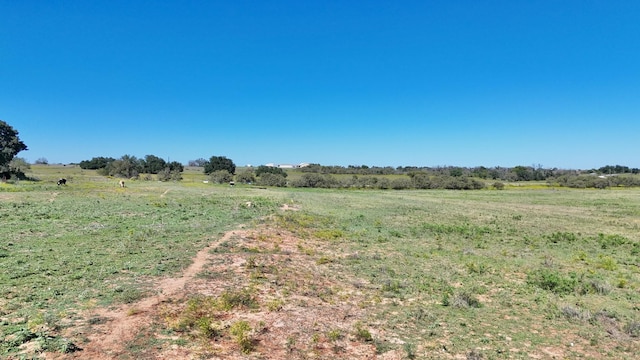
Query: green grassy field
x: 486, y: 274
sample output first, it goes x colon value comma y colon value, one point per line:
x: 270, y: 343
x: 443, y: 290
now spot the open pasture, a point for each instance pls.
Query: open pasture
x: 513, y: 274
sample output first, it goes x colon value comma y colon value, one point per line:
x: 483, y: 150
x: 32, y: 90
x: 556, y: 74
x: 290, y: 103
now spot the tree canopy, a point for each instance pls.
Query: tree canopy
x: 263, y: 169
x: 216, y: 163
x: 10, y: 146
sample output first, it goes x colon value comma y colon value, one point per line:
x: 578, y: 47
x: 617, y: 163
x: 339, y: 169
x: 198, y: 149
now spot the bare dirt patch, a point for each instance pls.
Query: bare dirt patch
x: 299, y: 309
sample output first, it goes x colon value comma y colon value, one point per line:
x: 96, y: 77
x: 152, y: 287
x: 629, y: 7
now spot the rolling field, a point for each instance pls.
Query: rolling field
x: 309, y: 273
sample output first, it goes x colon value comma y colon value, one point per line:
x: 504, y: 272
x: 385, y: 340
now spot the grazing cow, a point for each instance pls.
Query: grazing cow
x: 121, y: 183
x: 231, y: 183
x: 62, y: 181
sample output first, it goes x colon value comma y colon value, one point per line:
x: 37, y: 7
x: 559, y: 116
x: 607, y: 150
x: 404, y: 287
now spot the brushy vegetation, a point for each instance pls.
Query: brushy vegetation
x: 484, y: 274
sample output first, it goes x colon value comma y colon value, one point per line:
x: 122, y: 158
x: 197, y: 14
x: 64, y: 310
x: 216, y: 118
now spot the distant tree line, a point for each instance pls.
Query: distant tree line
x: 517, y: 173
x: 222, y: 169
x: 129, y: 166
x: 452, y: 177
x: 584, y: 181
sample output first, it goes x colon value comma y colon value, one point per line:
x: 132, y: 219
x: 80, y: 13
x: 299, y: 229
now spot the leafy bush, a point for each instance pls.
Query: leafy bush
x: 633, y: 329
x: 312, y: 180
x: 262, y: 169
x: 610, y: 241
x: 268, y: 179
x: 240, y: 332
x: 401, y: 184
x: 221, y: 176
x: 553, y: 281
x: 246, y: 177
x: 169, y: 175
x: 235, y: 299
x: 562, y: 237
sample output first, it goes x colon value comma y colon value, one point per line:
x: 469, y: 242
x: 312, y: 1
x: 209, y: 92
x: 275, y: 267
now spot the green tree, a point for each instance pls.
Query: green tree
x: 456, y: 171
x: 216, y: 163
x: 523, y: 173
x: 10, y: 146
x: 175, y: 166
x: 96, y: 163
x: 153, y: 164
x: 128, y: 166
x: 18, y: 166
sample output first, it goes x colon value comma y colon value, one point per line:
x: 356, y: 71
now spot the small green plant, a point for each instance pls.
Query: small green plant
x: 290, y: 343
x: 207, y: 328
x: 392, y: 286
x: 328, y: 234
x: 334, y: 335
x: 275, y: 305
x: 251, y: 263
x: 446, y: 300
x: 562, y: 237
x: 622, y: 283
x: 582, y: 256
x: 607, y: 263
x: 240, y: 333
x: 361, y: 333
x: 476, y: 268
x: 315, y: 338
x: 410, y: 349
x: 324, y: 260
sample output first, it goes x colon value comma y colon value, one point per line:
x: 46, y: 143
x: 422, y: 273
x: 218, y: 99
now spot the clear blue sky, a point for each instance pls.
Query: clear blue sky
x: 380, y: 83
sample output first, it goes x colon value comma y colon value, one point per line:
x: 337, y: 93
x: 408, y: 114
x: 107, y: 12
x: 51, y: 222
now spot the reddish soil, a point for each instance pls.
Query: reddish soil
x: 304, y: 311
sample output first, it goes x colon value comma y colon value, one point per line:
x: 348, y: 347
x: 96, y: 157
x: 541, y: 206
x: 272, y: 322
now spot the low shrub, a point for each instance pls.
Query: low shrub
x: 552, y: 280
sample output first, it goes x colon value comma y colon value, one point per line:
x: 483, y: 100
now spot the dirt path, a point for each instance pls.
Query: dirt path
x: 107, y: 340
x: 301, y: 309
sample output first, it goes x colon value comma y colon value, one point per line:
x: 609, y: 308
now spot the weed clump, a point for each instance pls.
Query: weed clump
x: 361, y: 333
x: 633, y: 329
x: 234, y: 299
x: 611, y: 241
x: 553, y: 281
x: 465, y: 300
x: 240, y: 331
x: 562, y: 237
x: 576, y: 314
